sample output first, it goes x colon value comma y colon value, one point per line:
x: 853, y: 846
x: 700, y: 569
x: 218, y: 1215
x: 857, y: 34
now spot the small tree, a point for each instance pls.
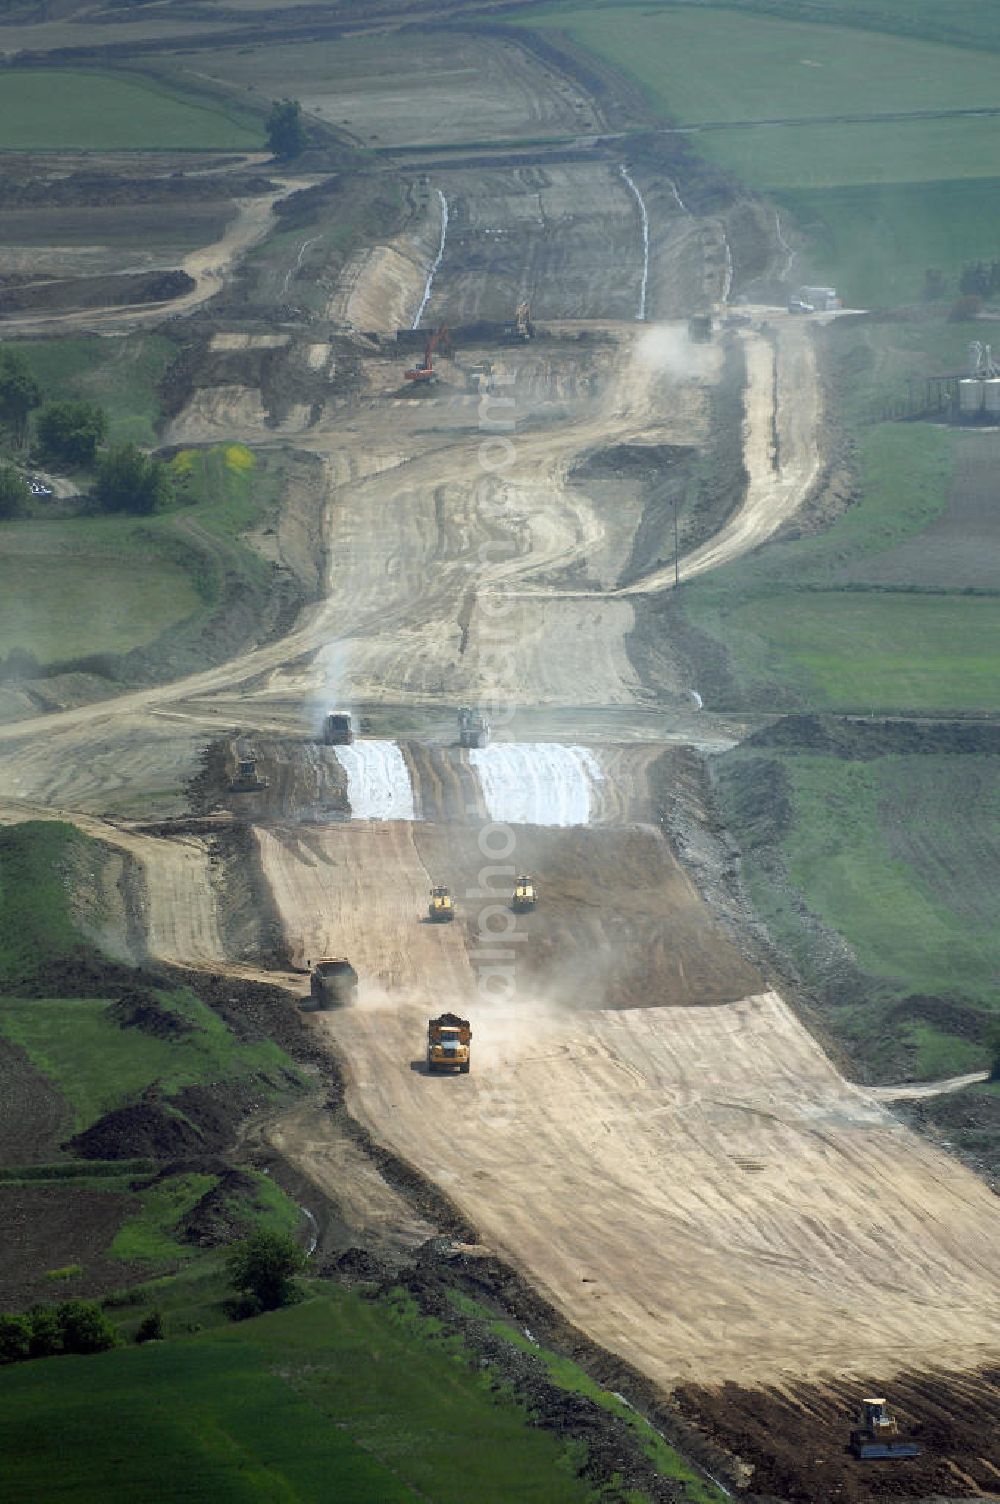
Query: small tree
x: 15, y: 1339
x: 71, y: 431
x: 14, y: 492
x: 286, y: 135
x: 129, y: 481
x: 85, y: 1328
x: 19, y: 394
x: 262, y: 1269
x: 994, y: 1047
x: 150, y: 1328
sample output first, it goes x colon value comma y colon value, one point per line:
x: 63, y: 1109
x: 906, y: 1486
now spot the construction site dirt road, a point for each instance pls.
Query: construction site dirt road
x: 649, y: 1133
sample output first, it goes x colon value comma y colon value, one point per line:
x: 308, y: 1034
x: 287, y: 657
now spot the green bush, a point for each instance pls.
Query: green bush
x: 19, y: 393
x: 130, y: 481
x: 14, y: 492
x: 84, y: 1328
x: 71, y: 431
x: 261, y: 1271
x: 15, y: 1339
x: 150, y: 1328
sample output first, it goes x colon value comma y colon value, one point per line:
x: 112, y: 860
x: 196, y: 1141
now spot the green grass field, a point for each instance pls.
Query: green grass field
x: 570, y: 1377
x: 891, y: 855
x: 97, y: 1065
x: 151, y: 1236
x: 967, y: 23
x: 797, y: 635
x: 877, y: 651
x: 700, y: 64
x: 108, y: 584
x: 121, y: 375
x: 878, y: 202
x: 897, y: 856
x: 48, y: 109
x: 338, y: 1393
x: 62, y: 606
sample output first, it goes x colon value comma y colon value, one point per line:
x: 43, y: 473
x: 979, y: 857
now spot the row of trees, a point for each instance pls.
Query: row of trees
x: 72, y: 433
x: 69, y: 432
x: 76, y: 1326
x: 261, y: 1272
x: 977, y: 279
x: 125, y: 480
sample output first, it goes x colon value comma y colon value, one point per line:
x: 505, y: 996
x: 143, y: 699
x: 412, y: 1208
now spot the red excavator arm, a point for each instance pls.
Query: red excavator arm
x: 425, y: 371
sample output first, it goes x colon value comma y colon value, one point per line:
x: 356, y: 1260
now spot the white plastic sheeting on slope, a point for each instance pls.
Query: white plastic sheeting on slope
x: 537, y: 783
x: 436, y: 262
x: 378, y: 781
x: 640, y: 316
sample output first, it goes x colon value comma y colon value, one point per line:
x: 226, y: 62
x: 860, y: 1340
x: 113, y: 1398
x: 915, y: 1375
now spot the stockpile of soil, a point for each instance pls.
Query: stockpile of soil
x: 224, y: 1214
x: 28, y: 189
x: 96, y: 292
x: 138, y: 1010
x: 862, y: 740
x: 33, y: 1115
x: 145, y: 1130
x: 798, y: 1447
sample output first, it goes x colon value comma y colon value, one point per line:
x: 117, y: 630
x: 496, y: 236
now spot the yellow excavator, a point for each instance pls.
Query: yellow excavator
x: 441, y: 907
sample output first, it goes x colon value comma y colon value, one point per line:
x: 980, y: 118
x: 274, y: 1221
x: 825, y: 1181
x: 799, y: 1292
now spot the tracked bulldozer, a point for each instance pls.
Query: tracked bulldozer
x: 473, y: 728
x: 876, y: 1435
x: 525, y: 896
x: 246, y: 779
x: 441, y: 908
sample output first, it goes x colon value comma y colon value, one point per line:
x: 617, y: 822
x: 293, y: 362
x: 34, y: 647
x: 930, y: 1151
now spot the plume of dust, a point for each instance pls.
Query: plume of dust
x: 668, y: 350
x: 330, y: 667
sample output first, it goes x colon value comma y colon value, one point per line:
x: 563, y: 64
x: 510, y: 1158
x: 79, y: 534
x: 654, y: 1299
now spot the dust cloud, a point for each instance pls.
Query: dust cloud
x: 668, y: 350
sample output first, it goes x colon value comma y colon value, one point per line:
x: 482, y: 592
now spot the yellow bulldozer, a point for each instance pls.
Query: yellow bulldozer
x: 246, y: 779
x: 877, y: 1436
x: 441, y: 908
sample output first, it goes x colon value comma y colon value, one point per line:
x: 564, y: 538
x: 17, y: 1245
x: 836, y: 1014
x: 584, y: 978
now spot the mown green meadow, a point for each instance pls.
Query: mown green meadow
x: 877, y: 201
x: 362, y: 1398
x: 46, y: 109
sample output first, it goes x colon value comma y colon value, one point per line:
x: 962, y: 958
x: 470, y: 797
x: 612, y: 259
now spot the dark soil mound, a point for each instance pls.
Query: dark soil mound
x: 145, y: 1130
x: 356, y: 1266
x: 139, y: 1010
x: 223, y: 1214
x: 943, y: 1013
x: 833, y: 736
x: 96, y: 292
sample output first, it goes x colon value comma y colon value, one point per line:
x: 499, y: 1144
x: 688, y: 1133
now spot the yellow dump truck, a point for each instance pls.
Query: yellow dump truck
x: 441, y: 907
x: 449, y: 1040
x: 525, y: 896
